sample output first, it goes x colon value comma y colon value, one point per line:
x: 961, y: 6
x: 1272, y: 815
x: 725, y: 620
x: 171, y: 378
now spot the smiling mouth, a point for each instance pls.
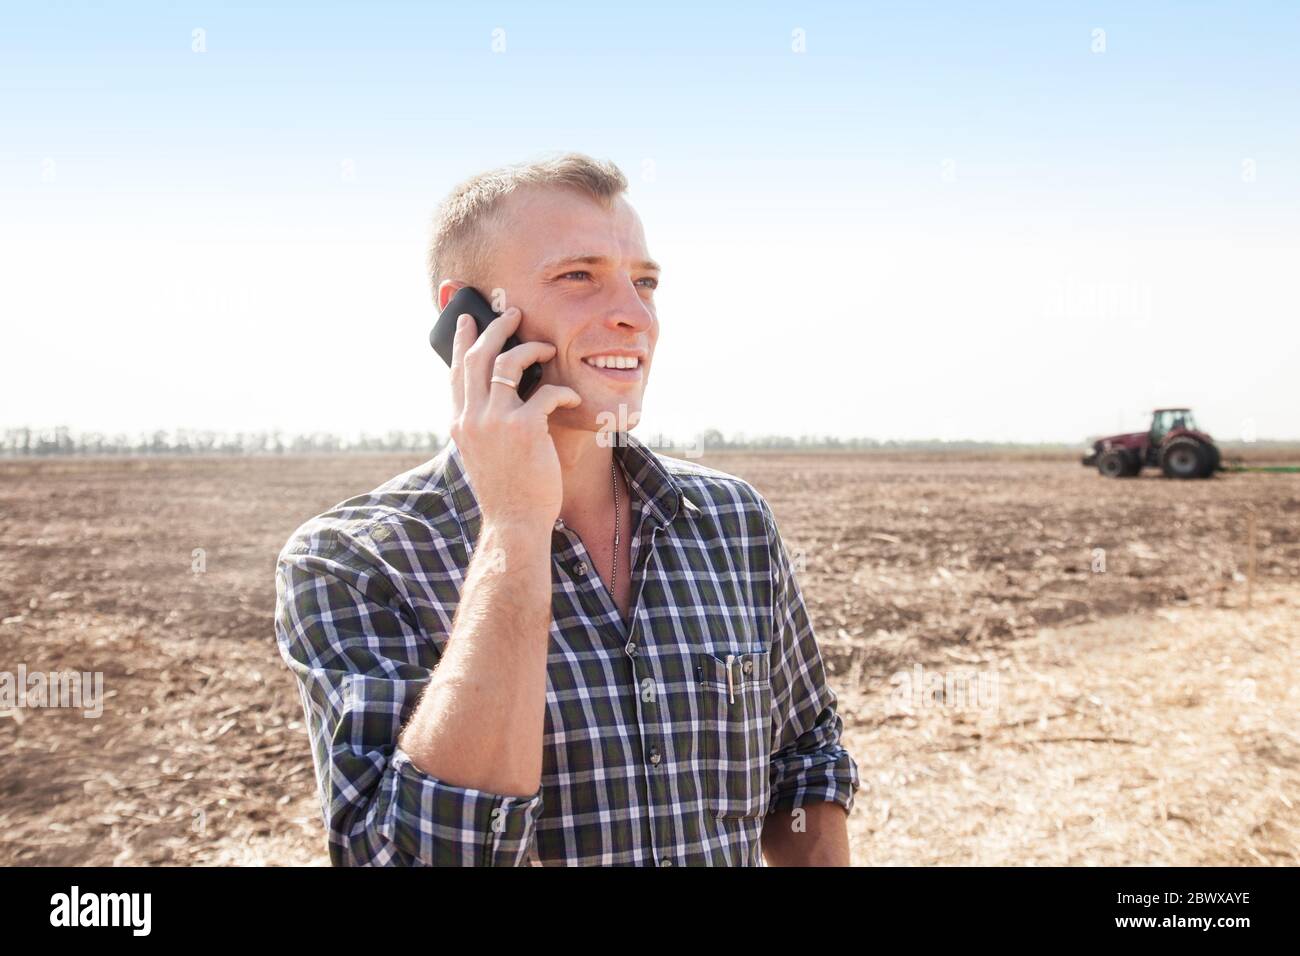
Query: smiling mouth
x: 620, y: 368
x: 612, y: 361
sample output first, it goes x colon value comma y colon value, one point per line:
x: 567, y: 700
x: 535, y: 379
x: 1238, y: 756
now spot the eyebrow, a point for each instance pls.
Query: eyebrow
x: 594, y: 260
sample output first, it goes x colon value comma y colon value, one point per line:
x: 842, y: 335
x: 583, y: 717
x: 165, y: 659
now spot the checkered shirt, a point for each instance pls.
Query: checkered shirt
x: 670, y: 739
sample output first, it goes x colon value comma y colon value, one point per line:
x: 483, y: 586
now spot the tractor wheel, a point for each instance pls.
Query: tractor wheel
x: 1113, y: 464
x: 1211, y: 460
x: 1184, y: 458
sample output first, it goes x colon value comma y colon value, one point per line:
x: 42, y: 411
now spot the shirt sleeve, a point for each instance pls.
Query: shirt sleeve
x: 808, y: 763
x: 361, y: 662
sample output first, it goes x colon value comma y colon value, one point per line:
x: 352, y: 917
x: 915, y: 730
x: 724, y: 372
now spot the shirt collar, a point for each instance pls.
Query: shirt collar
x: 651, y: 482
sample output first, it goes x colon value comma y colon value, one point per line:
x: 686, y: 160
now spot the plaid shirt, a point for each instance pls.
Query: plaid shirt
x: 650, y: 755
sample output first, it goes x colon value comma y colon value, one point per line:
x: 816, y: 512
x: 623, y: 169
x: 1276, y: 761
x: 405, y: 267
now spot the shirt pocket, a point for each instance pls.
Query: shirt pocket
x: 735, y: 733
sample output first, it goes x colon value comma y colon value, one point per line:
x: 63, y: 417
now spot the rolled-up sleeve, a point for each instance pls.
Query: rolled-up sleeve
x: 361, y: 663
x: 808, y: 763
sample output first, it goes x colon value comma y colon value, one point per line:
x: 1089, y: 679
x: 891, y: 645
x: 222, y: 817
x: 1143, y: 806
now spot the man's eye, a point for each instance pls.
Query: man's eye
x: 654, y: 283
x: 579, y: 272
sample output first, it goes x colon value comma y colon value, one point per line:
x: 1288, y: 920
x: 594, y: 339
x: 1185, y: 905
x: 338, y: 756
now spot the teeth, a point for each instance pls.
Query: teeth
x: 612, y: 361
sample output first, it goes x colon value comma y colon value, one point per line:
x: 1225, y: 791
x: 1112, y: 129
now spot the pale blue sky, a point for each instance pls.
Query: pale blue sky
x: 940, y: 219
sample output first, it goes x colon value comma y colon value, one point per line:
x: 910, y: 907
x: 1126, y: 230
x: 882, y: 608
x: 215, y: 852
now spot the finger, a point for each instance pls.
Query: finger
x: 511, y: 364
x: 548, y: 398
x: 466, y: 331
x: 482, y: 354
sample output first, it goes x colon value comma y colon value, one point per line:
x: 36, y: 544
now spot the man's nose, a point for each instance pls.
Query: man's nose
x: 628, y: 308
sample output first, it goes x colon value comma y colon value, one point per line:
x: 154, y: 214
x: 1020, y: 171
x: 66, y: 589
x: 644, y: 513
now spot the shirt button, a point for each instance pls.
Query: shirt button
x: 580, y: 568
x: 559, y: 524
x: 654, y: 756
x: 631, y: 649
x: 749, y: 666
x: 665, y: 862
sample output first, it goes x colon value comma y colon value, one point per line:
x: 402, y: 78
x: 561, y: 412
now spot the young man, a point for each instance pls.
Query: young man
x: 550, y: 644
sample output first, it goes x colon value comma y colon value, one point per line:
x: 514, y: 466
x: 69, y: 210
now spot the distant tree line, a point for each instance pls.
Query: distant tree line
x: 713, y: 439
x: 62, y: 440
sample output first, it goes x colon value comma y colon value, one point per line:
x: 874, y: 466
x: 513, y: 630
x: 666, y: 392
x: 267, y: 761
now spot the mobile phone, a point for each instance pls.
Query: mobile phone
x: 469, y: 299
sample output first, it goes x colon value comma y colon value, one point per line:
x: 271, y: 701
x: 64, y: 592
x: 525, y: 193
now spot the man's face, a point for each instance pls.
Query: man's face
x: 584, y: 280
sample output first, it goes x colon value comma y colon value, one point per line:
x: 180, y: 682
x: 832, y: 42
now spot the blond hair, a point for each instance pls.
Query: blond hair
x: 461, y: 247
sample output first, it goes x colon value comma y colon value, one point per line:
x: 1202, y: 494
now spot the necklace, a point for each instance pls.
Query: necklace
x: 613, y: 575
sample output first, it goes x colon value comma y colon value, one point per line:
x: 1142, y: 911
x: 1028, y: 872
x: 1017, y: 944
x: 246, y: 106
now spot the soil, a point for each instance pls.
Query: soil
x: 1134, y: 710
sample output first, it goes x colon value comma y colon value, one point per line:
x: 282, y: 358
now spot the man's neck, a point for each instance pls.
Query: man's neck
x: 585, y: 469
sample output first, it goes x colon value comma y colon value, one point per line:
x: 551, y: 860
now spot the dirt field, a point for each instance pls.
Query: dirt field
x: 1105, y: 697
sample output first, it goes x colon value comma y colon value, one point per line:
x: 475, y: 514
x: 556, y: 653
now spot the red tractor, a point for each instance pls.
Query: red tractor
x: 1174, y: 443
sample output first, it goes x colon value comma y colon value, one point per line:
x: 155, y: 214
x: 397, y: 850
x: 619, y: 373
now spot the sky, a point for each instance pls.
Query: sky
x: 1002, y: 222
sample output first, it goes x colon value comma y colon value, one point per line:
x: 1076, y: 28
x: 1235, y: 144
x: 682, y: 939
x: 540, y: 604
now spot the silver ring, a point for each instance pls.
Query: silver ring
x: 505, y: 381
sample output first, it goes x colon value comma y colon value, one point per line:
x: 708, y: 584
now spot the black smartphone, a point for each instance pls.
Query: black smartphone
x: 469, y: 299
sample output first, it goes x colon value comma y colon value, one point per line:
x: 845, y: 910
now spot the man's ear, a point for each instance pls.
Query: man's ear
x: 446, y: 289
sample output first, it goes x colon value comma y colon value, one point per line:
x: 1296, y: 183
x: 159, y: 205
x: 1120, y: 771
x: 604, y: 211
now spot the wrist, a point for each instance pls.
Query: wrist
x: 519, y: 530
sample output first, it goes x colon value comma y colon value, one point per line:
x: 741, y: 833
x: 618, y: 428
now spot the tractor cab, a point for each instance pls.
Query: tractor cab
x: 1167, y: 420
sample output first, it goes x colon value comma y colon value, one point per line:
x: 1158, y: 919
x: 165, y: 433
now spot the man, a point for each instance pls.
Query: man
x: 550, y: 644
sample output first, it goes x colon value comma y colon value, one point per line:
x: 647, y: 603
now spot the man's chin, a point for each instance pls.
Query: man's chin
x: 613, y: 415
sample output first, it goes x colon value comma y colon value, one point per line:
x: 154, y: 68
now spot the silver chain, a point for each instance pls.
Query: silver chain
x: 613, y: 575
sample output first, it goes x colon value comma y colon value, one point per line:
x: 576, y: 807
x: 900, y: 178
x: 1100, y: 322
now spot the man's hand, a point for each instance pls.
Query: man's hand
x: 505, y: 442
x: 818, y: 837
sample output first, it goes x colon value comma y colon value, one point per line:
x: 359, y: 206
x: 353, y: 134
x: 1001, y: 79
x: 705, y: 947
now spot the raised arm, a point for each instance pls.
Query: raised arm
x: 480, y: 723
x: 420, y: 763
